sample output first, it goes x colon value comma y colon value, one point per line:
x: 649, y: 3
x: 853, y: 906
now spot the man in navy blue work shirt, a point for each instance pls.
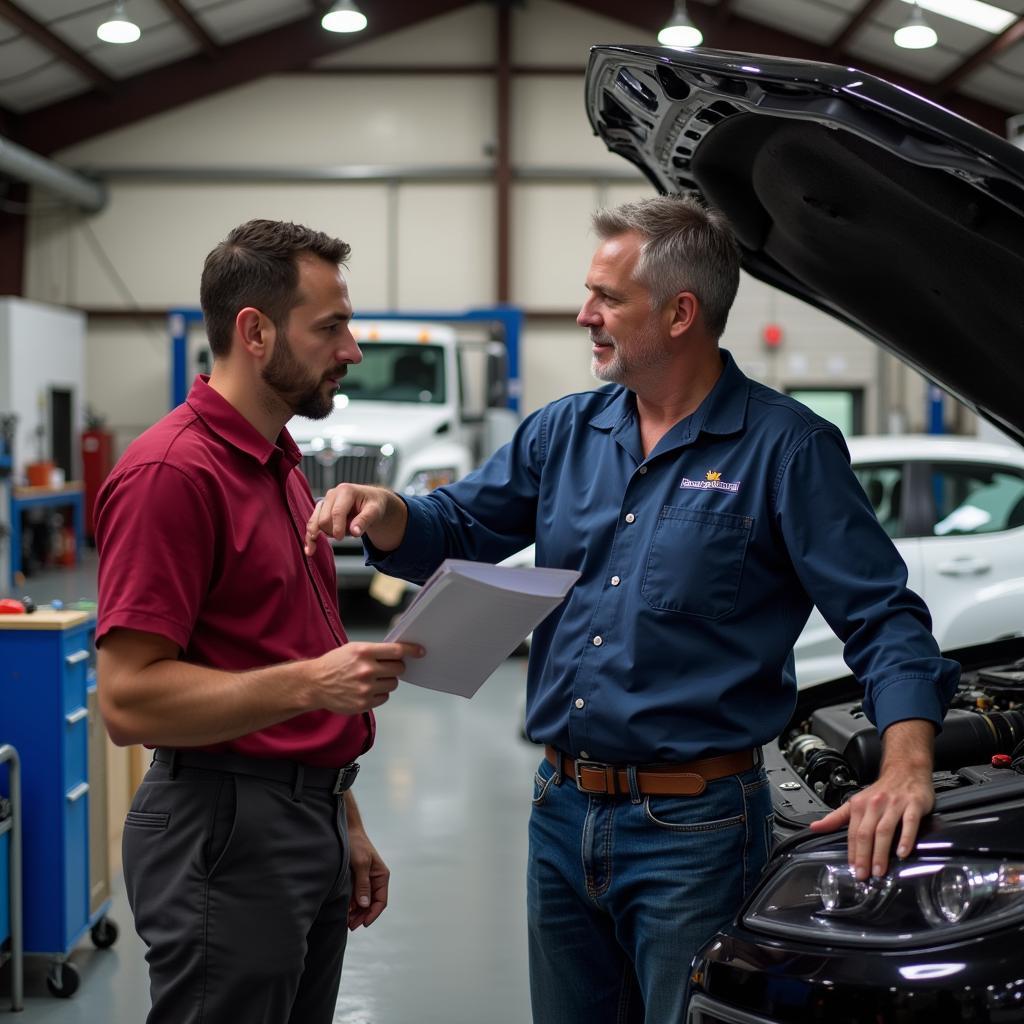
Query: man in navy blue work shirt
x: 706, y: 514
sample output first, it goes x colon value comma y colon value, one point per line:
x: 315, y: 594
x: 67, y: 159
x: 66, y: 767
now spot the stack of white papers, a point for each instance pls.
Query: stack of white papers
x: 470, y: 616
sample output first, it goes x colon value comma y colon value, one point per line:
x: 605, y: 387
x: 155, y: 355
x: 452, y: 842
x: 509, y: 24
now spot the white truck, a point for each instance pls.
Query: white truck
x: 425, y: 406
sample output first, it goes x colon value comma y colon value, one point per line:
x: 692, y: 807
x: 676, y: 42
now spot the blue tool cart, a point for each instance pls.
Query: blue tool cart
x: 47, y: 682
x: 11, y: 944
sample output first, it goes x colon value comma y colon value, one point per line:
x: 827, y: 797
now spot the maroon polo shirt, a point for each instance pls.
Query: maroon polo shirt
x: 200, y: 529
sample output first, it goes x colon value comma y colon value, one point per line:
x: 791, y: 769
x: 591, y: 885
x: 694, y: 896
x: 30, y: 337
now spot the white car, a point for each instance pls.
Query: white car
x: 954, y: 507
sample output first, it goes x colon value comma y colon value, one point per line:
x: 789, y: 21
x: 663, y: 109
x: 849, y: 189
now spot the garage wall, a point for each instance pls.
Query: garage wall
x: 416, y: 244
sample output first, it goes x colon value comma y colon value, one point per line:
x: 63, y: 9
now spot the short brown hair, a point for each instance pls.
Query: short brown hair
x: 257, y: 265
x: 687, y: 247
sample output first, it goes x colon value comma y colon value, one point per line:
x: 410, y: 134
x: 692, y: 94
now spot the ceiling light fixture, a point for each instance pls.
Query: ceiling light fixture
x: 680, y: 32
x: 987, y: 17
x: 120, y: 28
x: 917, y: 34
x: 344, y: 16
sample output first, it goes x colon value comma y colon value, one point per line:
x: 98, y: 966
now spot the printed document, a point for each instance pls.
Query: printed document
x: 470, y: 616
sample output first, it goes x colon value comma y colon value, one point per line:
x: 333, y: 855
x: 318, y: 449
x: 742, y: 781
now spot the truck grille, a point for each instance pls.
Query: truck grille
x: 352, y: 464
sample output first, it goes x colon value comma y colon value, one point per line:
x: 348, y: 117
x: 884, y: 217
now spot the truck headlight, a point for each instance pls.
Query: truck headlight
x: 426, y: 480
x: 817, y: 896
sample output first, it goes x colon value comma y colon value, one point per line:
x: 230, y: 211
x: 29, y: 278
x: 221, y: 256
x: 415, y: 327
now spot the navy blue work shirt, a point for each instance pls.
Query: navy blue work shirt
x: 700, y: 565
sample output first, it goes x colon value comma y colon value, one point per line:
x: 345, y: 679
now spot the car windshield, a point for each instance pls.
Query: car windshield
x: 397, y: 372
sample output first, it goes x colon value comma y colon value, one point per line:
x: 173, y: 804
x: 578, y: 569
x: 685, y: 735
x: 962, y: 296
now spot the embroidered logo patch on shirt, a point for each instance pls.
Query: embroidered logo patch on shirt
x: 712, y: 482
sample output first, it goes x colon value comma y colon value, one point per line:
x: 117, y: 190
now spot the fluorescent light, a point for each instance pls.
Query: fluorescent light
x: 119, y: 29
x: 971, y: 12
x: 680, y: 32
x: 917, y: 34
x: 344, y: 16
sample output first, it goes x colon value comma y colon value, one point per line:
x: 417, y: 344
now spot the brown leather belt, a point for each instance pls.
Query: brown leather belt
x: 688, y: 779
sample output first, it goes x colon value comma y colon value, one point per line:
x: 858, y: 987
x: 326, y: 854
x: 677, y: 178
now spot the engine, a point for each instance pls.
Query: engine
x: 838, y: 751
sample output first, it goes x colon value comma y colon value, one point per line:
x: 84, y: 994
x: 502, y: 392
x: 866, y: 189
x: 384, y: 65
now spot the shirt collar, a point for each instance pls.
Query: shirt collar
x: 723, y: 411
x: 231, y: 426
x: 621, y: 406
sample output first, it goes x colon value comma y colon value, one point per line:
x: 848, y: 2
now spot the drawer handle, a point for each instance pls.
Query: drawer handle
x: 78, y: 792
x: 74, y: 659
x: 76, y: 716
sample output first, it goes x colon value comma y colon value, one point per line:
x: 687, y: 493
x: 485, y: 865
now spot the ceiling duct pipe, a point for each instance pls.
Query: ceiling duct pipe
x: 24, y: 165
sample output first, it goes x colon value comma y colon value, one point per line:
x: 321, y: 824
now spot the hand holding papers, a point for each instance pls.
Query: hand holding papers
x: 470, y: 616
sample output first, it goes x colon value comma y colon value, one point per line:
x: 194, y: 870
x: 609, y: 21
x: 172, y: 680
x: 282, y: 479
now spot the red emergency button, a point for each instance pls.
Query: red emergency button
x: 1001, y: 761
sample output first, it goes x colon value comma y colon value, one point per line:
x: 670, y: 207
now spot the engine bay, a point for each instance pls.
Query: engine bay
x: 836, y: 751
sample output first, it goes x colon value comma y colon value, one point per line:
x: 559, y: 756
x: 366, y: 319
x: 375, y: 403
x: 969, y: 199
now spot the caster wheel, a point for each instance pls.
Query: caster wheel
x: 104, y: 933
x: 62, y: 980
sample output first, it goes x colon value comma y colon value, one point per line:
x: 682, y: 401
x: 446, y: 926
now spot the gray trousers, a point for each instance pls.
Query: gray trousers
x: 240, y: 889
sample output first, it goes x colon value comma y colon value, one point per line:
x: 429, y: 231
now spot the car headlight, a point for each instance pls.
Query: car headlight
x: 426, y: 480
x: 817, y: 896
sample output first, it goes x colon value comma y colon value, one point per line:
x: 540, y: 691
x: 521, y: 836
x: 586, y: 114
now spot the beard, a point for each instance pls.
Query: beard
x: 300, y: 390
x: 646, y: 353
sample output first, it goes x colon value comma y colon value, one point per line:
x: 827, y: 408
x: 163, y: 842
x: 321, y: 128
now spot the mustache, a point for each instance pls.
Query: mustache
x: 338, y: 373
x: 601, y: 338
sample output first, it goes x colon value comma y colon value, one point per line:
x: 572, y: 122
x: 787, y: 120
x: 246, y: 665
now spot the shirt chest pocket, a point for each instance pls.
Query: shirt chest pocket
x: 696, y: 561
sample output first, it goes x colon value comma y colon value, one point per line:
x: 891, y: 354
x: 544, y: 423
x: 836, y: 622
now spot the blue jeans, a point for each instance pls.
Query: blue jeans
x: 622, y: 891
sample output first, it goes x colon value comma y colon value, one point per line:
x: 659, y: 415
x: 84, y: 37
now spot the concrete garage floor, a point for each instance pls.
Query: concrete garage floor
x: 446, y: 795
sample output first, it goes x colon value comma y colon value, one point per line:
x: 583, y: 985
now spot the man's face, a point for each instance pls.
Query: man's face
x: 313, y: 350
x: 630, y: 342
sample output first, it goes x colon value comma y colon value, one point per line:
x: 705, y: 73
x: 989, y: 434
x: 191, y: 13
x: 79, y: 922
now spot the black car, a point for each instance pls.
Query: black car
x: 907, y: 222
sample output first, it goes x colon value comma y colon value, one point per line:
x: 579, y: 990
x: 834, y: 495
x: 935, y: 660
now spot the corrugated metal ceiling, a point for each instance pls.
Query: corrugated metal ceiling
x: 49, y: 51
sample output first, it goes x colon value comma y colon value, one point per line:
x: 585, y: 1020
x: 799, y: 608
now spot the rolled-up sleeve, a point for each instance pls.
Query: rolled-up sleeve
x: 852, y: 571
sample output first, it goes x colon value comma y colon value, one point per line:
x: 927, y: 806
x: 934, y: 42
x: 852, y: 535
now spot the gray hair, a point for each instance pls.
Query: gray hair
x: 688, y: 247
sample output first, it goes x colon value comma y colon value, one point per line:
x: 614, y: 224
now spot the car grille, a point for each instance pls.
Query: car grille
x: 352, y: 464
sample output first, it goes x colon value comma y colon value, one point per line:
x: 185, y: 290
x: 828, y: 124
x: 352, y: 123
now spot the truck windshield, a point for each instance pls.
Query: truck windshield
x: 397, y: 372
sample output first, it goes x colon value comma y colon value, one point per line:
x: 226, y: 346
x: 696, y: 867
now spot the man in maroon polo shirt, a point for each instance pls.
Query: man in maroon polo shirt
x: 220, y: 645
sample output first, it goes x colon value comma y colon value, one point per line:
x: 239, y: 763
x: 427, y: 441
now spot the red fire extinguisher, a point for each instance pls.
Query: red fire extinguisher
x: 97, y: 461
x: 66, y: 547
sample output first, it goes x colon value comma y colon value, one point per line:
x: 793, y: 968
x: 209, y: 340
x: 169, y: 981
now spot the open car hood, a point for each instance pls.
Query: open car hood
x: 875, y: 205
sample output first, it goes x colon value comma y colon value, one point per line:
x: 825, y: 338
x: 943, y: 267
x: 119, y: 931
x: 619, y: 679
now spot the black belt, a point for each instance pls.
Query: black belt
x: 292, y: 773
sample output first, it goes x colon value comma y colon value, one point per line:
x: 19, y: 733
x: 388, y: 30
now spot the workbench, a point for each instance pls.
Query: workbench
x: 70, y: 495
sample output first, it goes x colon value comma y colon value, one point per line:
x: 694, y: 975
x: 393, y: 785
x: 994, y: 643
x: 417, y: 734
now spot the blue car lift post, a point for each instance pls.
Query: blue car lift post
x: 510, y: 318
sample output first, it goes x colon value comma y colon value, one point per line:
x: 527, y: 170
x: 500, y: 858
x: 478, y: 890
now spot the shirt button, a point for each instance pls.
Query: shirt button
x: 643, y: 470
x: 598, y: 641
x: 580, y: 702
x: 616, y: 581
x: 630, y: 517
